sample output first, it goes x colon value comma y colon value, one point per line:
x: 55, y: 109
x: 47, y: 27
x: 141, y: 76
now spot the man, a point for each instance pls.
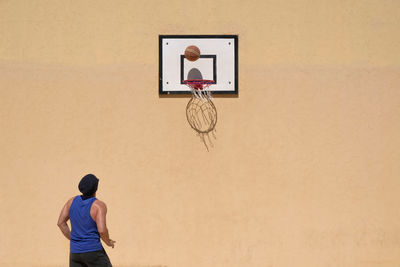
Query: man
x: 88, y: 225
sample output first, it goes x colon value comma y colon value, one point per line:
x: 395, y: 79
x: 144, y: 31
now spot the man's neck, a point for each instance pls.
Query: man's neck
x: 87, y: 197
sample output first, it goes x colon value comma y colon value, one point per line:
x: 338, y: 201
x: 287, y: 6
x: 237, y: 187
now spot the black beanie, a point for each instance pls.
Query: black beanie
x: 88, y: 185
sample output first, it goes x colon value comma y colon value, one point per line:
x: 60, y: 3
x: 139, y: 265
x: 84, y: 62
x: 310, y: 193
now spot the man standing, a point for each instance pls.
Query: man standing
x: 88, y: 225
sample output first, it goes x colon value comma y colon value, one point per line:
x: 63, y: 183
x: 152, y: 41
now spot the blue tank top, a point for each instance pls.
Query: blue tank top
x: 84, y: 234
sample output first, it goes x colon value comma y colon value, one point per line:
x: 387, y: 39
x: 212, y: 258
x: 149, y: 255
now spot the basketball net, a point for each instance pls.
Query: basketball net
x: 201, y: 112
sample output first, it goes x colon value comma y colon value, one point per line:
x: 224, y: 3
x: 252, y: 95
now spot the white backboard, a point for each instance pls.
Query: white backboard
x: 218, y: 62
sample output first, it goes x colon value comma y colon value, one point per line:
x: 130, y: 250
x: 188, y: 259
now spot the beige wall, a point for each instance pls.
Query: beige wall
x: 305, y: 170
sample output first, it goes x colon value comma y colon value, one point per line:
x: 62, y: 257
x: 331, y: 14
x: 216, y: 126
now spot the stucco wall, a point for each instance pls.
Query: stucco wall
x: 304, y: 171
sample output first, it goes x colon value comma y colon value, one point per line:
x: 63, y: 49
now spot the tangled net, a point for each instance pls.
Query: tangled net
x: 202, y: 117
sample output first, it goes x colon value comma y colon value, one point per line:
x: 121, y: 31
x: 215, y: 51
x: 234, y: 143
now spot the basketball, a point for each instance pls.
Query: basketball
x: 192, y: 53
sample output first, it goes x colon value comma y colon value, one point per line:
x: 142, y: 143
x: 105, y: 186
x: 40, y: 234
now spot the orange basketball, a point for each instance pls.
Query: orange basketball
x: 192, y: 53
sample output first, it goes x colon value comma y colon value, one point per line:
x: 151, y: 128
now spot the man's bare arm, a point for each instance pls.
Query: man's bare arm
x: 100, y: 219
x: 63, y: 218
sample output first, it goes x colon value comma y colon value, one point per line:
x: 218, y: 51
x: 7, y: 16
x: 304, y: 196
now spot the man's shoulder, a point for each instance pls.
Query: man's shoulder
x: 99, y: 204
x: 69, y: 202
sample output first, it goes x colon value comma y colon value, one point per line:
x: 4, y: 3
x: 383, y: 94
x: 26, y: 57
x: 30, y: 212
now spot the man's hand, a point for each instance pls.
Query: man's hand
x: 110, y: 243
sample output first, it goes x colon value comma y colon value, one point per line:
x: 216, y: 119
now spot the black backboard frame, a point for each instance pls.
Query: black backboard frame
x: 236, y: 63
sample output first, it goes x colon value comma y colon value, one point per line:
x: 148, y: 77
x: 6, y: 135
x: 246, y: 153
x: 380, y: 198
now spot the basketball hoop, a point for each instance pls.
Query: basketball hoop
x: 198, y: 66
x: 200, y: 111
x: 199, y: 87
x: 198, y: 84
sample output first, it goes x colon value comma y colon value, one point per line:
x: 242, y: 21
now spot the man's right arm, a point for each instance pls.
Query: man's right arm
x: 100, y: 219
x: 63, y: 218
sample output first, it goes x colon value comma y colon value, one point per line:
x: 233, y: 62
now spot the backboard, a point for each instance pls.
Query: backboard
x: 218, y: 62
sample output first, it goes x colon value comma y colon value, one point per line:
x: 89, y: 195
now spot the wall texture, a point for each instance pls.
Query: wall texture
x: 305, y: 170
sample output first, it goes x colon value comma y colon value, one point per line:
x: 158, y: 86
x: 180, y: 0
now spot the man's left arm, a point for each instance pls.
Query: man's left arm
x: 62, y: 220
